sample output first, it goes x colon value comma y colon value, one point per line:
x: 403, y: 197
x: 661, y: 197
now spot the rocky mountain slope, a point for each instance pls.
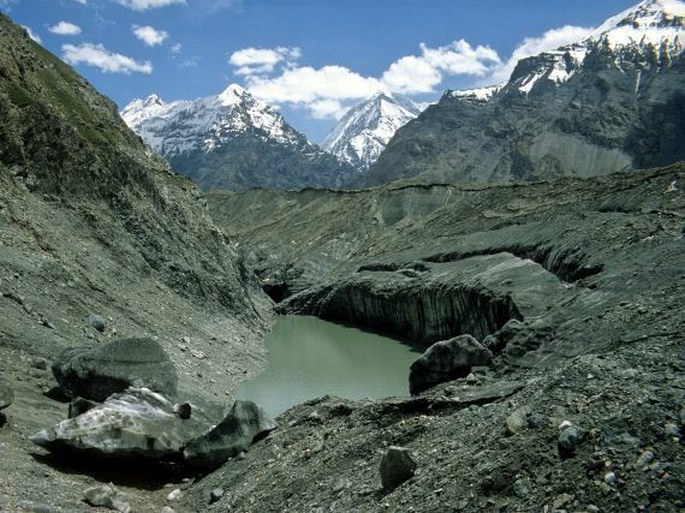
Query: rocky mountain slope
x: 99, y: 240
x: 233, y: 141
x: 611, y: 102
x: 362, y: 134
x: 574, y: 285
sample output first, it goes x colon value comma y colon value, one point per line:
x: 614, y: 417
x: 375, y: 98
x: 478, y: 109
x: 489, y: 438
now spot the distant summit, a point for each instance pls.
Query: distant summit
x: 362, y: 134
x: 233, y: 141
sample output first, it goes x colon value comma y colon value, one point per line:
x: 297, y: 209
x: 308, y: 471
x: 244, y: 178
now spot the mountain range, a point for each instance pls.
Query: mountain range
x: 614, y: 101
x: 233, y: 141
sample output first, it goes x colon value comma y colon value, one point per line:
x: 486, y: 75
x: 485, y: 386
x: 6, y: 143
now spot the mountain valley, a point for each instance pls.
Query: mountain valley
x: 526, y: 239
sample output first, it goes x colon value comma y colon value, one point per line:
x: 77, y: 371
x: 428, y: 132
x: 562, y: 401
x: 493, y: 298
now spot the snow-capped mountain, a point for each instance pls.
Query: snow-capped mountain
x: 232, y: 140
x: 651, y: 32
x: 362, y: 134
x: 610, y: 102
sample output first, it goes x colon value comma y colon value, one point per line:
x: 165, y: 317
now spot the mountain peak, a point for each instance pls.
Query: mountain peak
x: 649, y: 22
x: 152, y: 100
x: 232, y: 95
x: 361, y: 135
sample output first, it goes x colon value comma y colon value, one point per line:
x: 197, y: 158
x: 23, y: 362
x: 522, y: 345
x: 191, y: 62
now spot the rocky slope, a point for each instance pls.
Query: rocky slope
x: 574, y: 285
x: 99, y: 241
x: 609, y: 103
x: 362, y: 134
x: 233, y: 141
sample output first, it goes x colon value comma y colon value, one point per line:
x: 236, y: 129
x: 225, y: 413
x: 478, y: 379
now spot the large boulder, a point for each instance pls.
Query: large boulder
x: 244, y: 424
x: 96, y: 372
x: 136, y: 424
x: 445, y: 361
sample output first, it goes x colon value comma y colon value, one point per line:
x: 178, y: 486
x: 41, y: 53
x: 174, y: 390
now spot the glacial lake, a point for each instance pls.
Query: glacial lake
x: 309, y: 358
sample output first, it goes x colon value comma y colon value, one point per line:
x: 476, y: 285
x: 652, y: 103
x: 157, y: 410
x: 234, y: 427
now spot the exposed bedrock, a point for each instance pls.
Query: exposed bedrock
x: 428, y: 302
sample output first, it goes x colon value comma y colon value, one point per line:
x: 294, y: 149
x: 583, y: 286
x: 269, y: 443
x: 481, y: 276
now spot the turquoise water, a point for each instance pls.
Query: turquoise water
x: 310, y: 358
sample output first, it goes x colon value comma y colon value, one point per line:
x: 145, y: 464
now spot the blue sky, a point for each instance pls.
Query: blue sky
x: 310, y: 58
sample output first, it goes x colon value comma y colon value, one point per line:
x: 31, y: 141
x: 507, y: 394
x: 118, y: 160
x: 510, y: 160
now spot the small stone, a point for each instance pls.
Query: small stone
x: 672, y: 429
x: 97, y: 322
x: 183, y: 410
x: 198, y: 354
x: 565, y: 424
x: 472, y: 379
x: 517, y: 421
x: 561, y: 501
x: 610, y: 478
x: 215, y: 495
x: 40, y: 363
x: 397, y: 466
x: 175, y: 494
x: 167, y: 509
x: 106, y: 496
x: 645, y: 459
x: 6, y: 395
x: 535, y: 420
x: 569, y: 439
x: 522, y: 488
x: 591, y: 508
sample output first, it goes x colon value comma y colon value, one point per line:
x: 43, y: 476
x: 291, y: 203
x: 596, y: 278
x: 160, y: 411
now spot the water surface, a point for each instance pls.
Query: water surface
x: 309, y: 358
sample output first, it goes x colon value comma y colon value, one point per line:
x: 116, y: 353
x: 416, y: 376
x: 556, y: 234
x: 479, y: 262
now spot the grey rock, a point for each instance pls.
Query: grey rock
x: 96, y: 372
x: 167, y: 509
x: 569, y: 439
x: 136, y: 424
x: 215, y: 495
x: 244, y: 424
x: 6, y: 395
x: 397, y: 466
x: 40, y: 363
x: 97, y: 322
x: 446, y: 360
x: 106, y: 496
x: 518, y: 420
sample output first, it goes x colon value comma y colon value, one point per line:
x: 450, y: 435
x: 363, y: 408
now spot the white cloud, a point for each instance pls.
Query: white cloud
x: 259, y: 61
x: 82, y: 2
x: 150, y: 35
x: 144, y: 5
x: 32, y: 34
x: 415, y: 74
x: 411, y: 74
x: 64, y: 28
x: 306, y: 85
x: 177, y: 48
x: 327, y: 109
x: 328, y: 91
x: 550, y: 40
x: 99, y: 57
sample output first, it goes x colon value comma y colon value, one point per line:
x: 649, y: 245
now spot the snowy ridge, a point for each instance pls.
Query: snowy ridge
x: 181, y: 126
x: 362, y: 134
x: 651, y: 28
x: 481, y: 94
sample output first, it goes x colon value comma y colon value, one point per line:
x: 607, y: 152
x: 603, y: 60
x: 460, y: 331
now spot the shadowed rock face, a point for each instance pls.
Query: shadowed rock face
x: 96, y: 372
x: 427, y: 302
x: 244, y: 424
